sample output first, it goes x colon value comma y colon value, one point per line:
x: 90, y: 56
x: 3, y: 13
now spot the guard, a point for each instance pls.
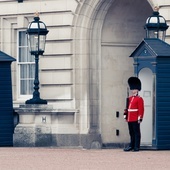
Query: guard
x: 134, y: 114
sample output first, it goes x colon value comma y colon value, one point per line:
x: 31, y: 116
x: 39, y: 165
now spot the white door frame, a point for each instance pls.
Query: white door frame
x: 146, y: 77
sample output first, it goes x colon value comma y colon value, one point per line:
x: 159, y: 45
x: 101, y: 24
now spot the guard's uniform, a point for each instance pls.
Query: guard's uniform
x: 135, y: 114
x: 135, y: 109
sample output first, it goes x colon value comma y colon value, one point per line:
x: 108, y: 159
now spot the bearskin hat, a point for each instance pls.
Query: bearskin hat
x: 134, y: 83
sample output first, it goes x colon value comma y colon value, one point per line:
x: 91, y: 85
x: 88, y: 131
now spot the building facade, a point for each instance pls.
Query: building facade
x: 86, y: 64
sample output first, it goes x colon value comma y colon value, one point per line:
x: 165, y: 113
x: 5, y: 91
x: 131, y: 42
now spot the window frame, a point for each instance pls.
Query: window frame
x: 19, y: 63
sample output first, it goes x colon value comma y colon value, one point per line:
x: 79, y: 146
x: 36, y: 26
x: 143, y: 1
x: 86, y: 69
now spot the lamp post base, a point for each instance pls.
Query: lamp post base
x: 36, y: 101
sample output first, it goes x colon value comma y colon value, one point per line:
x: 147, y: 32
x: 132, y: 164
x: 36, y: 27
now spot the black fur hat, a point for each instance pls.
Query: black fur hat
x: 134, y: 83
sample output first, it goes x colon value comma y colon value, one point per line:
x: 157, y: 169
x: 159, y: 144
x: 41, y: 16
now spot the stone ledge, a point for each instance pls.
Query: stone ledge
x: 40, y: 108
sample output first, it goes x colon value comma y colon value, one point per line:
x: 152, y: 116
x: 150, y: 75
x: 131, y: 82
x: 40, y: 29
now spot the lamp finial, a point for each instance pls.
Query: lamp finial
x: 36, y: 14
x: 156, y: 8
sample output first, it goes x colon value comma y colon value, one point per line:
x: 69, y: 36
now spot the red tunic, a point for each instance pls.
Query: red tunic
x: 135, y: 109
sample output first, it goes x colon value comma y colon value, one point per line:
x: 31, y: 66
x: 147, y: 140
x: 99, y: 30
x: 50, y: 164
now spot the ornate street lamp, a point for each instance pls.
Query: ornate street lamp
x: 156, y: 26
x: 36, y: 34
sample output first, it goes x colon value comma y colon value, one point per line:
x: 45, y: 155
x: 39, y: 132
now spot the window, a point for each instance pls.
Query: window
x: 26, y: 65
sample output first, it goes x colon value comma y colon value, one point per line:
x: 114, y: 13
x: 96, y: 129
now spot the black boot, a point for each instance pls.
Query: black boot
x: 136, y: 150
x: 129, y: 148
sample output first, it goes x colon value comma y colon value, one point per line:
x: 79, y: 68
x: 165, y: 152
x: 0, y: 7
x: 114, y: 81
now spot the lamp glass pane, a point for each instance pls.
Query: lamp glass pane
x: 161, y: 20
x: 153, y: 20
x: 152, y: 34
x: 33, y: 42
x: 42, y: 42
x: 156, y: 34
x: 33, y: 25
x: 42, y: 25
x: 161, y: 35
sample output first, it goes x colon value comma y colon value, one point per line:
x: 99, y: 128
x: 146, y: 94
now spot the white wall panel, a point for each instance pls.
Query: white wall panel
x: 54, y: 48
x: 60, y: 62
x: 56, y: 77
x: 56, y: 92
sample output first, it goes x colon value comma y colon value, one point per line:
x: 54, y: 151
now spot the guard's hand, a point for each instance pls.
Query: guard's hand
x: 125, y: 114
x: 140, y: 120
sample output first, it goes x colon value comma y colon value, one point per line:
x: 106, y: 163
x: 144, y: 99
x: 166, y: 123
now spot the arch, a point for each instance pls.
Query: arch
x: 88, y: 24
x: 87, y: 35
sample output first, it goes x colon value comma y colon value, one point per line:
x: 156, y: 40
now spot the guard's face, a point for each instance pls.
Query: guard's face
x: 134, y: 91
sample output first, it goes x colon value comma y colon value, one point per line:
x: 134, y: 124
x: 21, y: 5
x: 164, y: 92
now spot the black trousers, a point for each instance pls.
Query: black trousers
x: 135, y: 135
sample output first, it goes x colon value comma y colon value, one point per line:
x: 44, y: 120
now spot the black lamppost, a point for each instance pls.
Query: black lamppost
x: 36, y: 34
x: 156, y: 26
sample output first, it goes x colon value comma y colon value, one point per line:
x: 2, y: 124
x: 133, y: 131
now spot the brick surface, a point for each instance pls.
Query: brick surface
x: 80, y: 159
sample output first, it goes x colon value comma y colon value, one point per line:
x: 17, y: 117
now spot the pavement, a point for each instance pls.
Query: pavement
x: 12, y: 158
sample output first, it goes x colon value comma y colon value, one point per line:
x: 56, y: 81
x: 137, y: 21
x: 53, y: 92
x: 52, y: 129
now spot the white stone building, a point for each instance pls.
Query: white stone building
x: 84, y: 70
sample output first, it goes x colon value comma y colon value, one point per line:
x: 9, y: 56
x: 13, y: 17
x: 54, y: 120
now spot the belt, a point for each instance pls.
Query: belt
x: 132, y: 110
